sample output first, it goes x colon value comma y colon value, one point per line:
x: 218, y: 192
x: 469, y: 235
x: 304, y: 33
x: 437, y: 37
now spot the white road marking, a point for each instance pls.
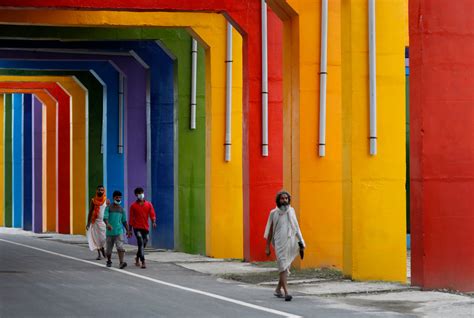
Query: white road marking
x: 192, y: 290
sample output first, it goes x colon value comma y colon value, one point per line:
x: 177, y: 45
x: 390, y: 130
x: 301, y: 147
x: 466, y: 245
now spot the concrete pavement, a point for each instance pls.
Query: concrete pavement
x: 336, y: 297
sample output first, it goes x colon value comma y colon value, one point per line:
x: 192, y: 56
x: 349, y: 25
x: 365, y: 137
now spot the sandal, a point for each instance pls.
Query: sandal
x: 109, y: 263
x: 98, y: 258
x: 278, y: 295
x: 143, y: 265
x: 288, y: 298
x: 123, y: 265
x: 137, y: 262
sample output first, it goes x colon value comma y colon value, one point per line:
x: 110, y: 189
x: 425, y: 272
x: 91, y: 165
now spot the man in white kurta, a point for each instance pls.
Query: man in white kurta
x: 284, y: 233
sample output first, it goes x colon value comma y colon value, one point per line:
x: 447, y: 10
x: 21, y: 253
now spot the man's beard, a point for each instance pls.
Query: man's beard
x: 284, y: 207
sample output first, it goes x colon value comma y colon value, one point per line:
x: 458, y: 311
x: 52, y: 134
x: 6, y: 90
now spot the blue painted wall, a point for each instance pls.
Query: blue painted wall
x: 17, y: 166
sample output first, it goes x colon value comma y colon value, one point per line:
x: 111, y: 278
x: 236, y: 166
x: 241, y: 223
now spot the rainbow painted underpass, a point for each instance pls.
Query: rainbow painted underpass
x: 104, y: 95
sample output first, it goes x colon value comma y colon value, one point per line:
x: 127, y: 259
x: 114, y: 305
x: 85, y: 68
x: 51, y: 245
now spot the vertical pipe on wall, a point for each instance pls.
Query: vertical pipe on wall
x: 121, y: 96
x: 264, y: 80
x: 372, y: 79
x: 323, y: 78
x: 228, y: 96
x: 193, y: 83
x: 148, y: 134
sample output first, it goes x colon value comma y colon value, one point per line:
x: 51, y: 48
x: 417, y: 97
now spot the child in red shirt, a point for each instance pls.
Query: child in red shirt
x: 140, y: 211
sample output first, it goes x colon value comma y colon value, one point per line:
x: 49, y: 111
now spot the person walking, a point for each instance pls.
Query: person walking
x: 140, y: 213
x: 95, y: 228
x: 115, y: 220
x: 283, y: 231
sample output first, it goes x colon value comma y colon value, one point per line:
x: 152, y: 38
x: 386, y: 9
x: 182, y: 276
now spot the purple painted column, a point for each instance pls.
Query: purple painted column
x: 37, y: 144
x: 135, y: 128
x: 135, y: 134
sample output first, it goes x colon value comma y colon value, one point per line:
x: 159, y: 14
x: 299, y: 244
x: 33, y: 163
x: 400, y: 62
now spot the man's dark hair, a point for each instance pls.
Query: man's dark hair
x: 99, y: 186
x: 139, y: 190
x: 279, y: 194
x: 117, y: 193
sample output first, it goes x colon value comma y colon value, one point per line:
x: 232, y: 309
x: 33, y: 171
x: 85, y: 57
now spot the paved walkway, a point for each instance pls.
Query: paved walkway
x: 361, y: 297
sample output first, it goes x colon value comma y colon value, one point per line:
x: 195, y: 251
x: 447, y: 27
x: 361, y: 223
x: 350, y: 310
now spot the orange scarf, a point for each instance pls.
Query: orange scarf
x: 98, y: 202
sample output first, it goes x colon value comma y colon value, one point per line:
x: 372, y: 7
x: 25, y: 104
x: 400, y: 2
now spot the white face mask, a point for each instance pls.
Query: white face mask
x: 141, y: 196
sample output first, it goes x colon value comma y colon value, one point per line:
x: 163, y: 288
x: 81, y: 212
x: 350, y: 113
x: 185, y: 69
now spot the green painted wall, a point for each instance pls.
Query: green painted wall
x: 191, y: 146
x: 95, y: 93
x: 8, y: 160
x: 190, y: 159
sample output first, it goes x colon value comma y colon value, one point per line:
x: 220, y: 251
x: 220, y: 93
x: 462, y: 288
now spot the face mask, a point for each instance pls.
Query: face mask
x: 100, y: 194
x: 141, y: 196
x: 117, y: 201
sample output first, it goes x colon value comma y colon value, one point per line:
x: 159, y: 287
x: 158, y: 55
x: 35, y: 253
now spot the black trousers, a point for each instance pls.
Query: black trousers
x: 142, y: 240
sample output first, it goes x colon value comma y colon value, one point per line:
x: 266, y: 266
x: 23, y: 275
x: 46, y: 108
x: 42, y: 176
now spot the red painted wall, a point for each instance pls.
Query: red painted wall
x: 442, y: 143
x: 63, y: 147
x: 263, y: 177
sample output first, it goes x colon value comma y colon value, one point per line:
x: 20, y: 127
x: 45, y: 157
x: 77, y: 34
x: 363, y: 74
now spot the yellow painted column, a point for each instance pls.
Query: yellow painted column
x: 315, y: 182
x: 2, y: 160
x: 374, y: 186
x: 78, y: 145
x: 224, y: 206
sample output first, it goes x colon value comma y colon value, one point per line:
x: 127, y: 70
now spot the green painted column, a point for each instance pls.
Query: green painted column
x: 8, y: 161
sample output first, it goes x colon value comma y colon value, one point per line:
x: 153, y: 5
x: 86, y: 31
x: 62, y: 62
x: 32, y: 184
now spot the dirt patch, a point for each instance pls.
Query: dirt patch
x: 296, y: 274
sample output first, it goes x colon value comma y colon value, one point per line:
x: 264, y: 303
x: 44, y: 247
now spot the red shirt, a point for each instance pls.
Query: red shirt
x: 139, y: 214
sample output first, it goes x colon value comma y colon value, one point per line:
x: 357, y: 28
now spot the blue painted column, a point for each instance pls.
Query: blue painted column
x: 17, y: 167
x: 27, y: 163
x: 37, y: 166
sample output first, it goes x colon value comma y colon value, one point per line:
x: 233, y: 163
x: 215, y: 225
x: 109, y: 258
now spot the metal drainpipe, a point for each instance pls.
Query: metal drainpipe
x: 264, y: 80
x: 228, y: 102
x: 372, y: 79
x: 323, y: 78
x: 120, y: 113
x: 193, y: 83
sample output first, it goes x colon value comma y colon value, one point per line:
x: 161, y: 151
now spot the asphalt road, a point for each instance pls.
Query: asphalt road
x: 42, y: 278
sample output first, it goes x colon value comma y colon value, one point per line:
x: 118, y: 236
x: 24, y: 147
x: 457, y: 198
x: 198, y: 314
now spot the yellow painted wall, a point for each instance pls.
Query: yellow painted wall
x: 2, y: 160
x: 77, y: 144
x: 223, y: 180
x: 374, y: 187
x: 314, y: 182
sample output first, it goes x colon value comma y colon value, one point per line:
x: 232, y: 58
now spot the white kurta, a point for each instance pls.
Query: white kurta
x: 286, y: 235
x: 96, y: 233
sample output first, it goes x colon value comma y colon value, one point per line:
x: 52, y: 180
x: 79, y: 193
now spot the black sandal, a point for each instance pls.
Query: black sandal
x: 278, y: 295
x: 288, y: 298
x: 123, y: 265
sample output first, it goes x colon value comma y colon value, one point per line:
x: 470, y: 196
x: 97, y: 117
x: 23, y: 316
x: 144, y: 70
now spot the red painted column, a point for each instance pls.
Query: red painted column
x: 63, y: 149
x: 442, y: 143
